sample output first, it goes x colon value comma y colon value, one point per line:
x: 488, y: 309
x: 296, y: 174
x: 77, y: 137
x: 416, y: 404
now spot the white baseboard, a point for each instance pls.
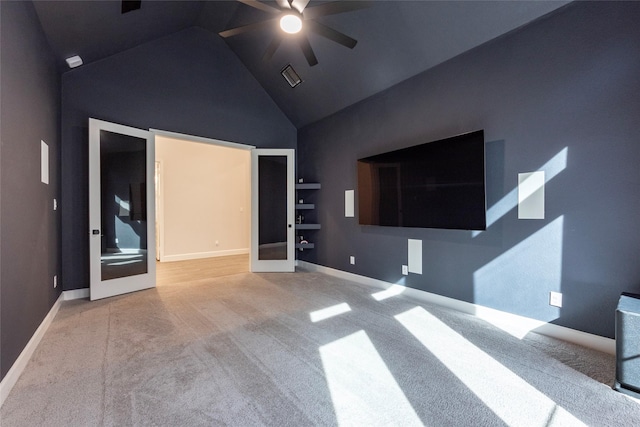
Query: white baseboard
x: 514, y: 324
x: 75, y: 294
x: 23, y: 359
x: 199, y: 255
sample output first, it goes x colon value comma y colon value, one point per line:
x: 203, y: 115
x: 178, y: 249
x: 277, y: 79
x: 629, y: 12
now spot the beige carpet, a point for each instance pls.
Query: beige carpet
x: 301, y: 349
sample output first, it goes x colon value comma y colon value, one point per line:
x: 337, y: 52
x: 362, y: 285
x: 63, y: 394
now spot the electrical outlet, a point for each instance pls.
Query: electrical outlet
x: 217, y: 242
x: 405, y: 270
x: 555, y: 299
x: 352, y: 259
x: 55, y: 281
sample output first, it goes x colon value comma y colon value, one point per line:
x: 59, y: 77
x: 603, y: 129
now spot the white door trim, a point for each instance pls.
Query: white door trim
x: 192, y: 138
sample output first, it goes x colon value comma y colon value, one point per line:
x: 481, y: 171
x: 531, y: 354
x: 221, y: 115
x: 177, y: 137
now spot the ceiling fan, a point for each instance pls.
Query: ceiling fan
x: 295, y: 19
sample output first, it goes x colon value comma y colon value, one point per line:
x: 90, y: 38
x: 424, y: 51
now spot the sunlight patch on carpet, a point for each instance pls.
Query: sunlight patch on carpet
x: 363, y: 390
x: 326, y: 313
x: 510, y: 397
x: 391, y: 291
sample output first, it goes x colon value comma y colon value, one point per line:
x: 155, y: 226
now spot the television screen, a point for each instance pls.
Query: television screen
x: 440, y: 184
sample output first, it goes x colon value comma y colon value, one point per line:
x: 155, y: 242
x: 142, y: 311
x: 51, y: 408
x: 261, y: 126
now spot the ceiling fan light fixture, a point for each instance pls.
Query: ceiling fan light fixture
x: 290, y: 23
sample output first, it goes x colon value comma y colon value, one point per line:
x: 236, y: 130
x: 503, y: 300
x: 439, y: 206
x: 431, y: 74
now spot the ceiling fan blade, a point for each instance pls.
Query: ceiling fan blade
x: 334, y: 8
x: 284, y: 4
x: 271, y: 49
x: 259, y: 5
x: 299, y: 5
x: 306, y: 49
x: 331, y: 34
x: 239, y: 30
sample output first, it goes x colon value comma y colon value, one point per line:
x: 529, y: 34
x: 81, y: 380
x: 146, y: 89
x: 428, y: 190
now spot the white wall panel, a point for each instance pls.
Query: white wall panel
x: 531, y: 195
x: 415, y: 256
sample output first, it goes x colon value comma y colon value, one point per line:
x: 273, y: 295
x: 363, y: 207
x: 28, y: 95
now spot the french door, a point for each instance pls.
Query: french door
x: 272, y: 210
x: 121, y: 209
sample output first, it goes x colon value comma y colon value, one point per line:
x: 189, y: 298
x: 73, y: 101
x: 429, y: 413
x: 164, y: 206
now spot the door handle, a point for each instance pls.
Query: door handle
x: 95, y: 231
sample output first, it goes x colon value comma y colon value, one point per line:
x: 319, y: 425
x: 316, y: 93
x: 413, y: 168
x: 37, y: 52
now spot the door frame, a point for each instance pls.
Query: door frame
x: 261, y: 266
x: 159, y: 205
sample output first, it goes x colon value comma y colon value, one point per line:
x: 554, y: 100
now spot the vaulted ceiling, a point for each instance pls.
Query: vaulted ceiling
x: 396, y: 40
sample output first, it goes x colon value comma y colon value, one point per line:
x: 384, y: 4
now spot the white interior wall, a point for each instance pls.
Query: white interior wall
x: 205, y: 199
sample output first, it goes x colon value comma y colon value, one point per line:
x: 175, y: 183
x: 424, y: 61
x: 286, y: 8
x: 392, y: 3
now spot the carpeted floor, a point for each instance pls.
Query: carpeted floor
x: 301, y: 349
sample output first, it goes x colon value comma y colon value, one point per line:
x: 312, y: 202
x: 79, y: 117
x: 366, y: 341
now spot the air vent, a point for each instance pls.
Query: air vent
x: 130, y: 6
x: 291, y: 76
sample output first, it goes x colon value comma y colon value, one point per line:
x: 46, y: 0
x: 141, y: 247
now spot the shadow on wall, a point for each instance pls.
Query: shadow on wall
x: 533, y: 266
x: 518, y: 279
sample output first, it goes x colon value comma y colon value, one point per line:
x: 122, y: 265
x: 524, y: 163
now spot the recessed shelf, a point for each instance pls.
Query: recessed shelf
x: 307, y: 226
x: 305, y: 206
x: 305, y: 245
x: 308, y: 186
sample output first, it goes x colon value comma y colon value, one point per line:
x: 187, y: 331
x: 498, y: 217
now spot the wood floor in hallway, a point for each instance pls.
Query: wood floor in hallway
x: 168, y: 273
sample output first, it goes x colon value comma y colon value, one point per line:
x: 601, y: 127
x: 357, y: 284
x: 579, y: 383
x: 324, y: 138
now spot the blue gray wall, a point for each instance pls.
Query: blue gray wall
x: 29, y: 228
x: 189, y: 83
x: 559, y: 95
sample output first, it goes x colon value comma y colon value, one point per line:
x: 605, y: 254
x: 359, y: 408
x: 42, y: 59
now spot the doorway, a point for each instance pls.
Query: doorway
x: 203, y: 205
x: 136, y: 207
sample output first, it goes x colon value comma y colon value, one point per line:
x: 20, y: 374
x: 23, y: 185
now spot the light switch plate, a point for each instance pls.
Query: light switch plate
x: 555, y: 299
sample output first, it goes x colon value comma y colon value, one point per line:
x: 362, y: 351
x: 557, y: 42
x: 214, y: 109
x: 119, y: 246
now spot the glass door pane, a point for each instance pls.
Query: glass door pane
x: 123, y: 205
x: 272, y: 210
x: 272, y: 206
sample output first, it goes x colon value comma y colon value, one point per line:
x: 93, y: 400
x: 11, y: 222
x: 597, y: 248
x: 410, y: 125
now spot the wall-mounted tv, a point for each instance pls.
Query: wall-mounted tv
x: 439, y: 184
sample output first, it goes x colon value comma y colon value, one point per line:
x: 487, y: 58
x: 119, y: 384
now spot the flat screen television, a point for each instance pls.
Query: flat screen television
x: 439, y: 184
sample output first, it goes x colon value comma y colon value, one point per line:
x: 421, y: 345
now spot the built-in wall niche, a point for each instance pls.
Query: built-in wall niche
x: 437, y: 184
x: 306, y: 223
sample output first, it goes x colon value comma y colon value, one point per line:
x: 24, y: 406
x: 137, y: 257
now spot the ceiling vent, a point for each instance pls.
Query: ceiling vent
x: 291, y: 76
x: 130, y: 6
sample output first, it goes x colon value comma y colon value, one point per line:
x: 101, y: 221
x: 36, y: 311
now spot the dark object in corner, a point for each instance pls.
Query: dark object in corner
x: 138, y: 201
x: 628, y: 345
x: 130, y: 5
